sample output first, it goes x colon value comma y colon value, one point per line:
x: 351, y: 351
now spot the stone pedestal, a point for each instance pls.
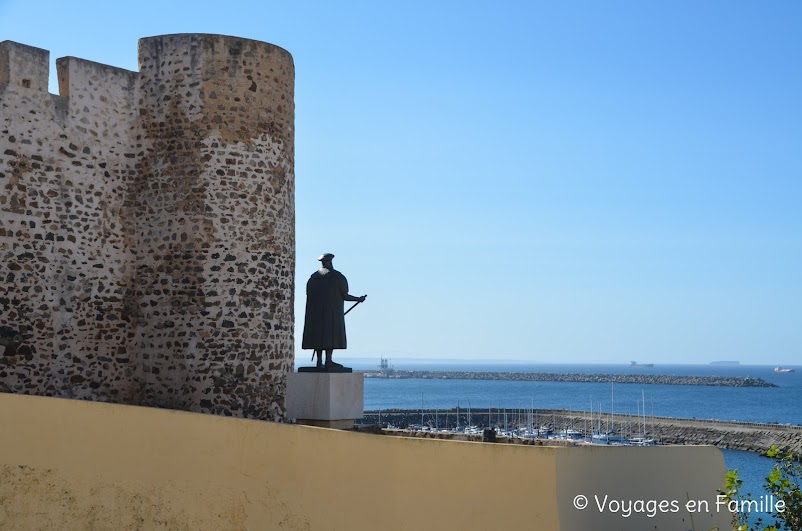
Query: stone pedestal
x: 327, y: 399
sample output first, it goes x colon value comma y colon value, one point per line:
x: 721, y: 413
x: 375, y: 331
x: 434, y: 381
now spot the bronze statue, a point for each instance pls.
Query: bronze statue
x: 324, y: 325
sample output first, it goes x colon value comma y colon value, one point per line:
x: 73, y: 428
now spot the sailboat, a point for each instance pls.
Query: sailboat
x: 609, y: 436
x: 642, y: 439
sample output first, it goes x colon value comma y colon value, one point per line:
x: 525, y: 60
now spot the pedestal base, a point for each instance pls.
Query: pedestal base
x: 326, y: 398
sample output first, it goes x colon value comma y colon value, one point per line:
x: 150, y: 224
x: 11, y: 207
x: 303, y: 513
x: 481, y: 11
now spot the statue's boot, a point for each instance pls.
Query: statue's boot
x: 332, y: 365
x: 319, y: 354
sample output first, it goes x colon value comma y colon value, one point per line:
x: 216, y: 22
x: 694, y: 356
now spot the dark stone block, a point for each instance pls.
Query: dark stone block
x: 325, y: 369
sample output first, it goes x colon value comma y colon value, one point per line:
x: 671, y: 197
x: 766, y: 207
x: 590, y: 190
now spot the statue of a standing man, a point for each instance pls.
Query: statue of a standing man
x: 324, y: 325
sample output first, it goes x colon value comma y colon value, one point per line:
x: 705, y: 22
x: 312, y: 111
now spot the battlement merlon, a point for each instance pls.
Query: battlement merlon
x: 24, y: 66
x: 78, y: 76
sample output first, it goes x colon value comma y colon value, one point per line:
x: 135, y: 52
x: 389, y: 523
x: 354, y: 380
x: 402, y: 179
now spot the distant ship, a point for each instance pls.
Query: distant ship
x: 644, y: 365
x: 782, y: 369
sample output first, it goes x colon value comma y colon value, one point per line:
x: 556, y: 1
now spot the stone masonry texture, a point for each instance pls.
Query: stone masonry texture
x: 147, y: 226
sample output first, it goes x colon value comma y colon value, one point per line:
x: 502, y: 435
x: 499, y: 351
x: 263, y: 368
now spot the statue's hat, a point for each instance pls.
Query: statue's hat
x: 326, y: 256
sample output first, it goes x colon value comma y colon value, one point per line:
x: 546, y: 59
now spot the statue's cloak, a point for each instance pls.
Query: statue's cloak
x: 324, y: 324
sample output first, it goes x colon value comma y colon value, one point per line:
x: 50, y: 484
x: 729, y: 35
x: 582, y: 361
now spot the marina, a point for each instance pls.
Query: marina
x: 529, y: 425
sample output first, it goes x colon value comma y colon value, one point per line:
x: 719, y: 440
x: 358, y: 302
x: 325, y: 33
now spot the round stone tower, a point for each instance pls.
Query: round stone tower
x: 210, y: 217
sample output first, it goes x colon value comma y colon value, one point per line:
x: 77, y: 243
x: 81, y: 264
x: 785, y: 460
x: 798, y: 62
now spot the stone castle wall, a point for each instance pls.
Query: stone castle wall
x: 147, y: 245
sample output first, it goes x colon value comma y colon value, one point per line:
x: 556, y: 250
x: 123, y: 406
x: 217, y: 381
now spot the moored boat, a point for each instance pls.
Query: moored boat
x: 606, y: 437
x: 641, y: 441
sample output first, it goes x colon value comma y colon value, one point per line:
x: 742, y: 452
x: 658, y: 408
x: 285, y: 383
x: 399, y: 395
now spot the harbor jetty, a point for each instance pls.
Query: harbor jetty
x: 733, y: 435
x: 640, y: 379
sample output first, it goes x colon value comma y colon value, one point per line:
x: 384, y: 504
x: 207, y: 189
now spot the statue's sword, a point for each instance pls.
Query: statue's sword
x: 352, y: 307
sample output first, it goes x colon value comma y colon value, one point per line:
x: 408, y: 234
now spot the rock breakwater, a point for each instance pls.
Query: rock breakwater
x: 641, y: 379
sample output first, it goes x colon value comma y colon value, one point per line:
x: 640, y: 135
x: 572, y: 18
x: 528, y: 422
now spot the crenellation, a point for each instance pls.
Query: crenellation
x: 23, y: 66
x: 160, y: 228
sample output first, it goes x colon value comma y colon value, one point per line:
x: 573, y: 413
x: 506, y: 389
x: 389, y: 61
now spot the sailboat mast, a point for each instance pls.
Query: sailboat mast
x: 612, y: 406
x: 643, y: 397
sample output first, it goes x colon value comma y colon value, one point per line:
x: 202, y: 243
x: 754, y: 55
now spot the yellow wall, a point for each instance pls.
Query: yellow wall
x: 73, y: 465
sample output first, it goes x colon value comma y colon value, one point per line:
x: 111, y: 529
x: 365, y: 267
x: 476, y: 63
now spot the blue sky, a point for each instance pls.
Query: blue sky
x: 584, y: 182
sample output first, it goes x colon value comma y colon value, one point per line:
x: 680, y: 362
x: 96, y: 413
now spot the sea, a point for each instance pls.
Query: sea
x: 781, y: 404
